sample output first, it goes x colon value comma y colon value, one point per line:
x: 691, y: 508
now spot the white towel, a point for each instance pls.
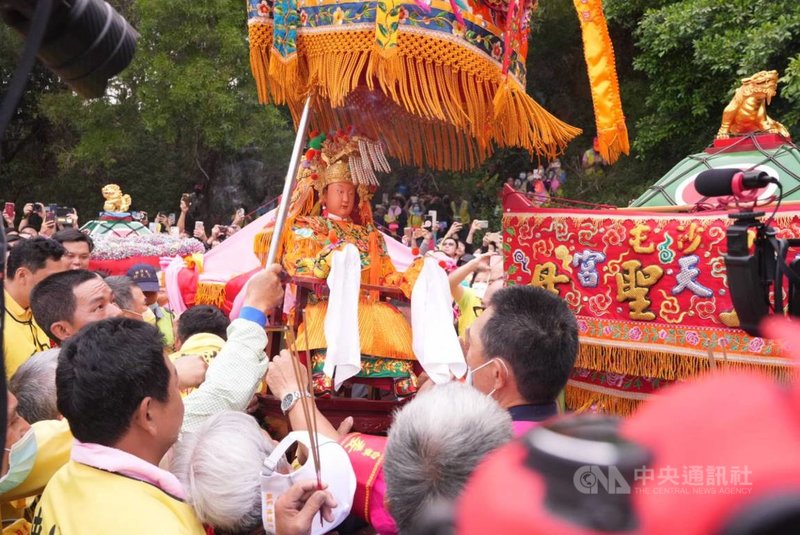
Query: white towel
x: 343, y: 359
x: 435, y: 340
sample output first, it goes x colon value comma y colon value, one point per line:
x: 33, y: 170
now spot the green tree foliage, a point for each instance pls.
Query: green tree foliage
x: 678, y: 62
x: 693, y: 55
x: 185, y: 112
x: 182, y: 116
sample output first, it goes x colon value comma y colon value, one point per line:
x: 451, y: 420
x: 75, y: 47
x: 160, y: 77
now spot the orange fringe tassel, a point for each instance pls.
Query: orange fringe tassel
x: 447, y: 114
x: 260, y: 36
x: 210, y: 293
x: 580, y: 400
x: 669, y: 366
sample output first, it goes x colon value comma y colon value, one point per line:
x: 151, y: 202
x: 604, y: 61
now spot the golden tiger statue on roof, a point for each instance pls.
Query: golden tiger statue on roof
x: 116, y: 201
x: 747, y: 111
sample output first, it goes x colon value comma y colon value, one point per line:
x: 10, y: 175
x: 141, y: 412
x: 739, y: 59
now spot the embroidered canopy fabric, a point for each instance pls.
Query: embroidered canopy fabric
x: 439, y: 82
x: 650, y: 293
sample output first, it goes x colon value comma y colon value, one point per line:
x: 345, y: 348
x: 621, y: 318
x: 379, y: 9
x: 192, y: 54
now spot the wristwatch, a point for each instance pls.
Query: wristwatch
x: 291, y: 399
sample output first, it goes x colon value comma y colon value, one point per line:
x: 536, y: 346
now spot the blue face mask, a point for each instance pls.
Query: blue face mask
x: 21, y: 458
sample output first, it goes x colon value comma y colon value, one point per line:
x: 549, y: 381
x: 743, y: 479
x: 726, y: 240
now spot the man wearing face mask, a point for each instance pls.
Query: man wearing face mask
x: 520, y: 351
x: 146, y: 278
x: 130, y: 299
x: 32, y: 454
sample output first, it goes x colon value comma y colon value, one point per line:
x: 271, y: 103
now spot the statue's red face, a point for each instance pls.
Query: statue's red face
x: 340, y: 199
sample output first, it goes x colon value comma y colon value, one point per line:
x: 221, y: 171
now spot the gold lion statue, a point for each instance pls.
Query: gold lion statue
x: 116, y: 201
x: 747, y: 111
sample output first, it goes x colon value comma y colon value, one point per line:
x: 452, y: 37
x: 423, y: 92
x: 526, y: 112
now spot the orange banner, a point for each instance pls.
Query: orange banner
x: 612, y: 134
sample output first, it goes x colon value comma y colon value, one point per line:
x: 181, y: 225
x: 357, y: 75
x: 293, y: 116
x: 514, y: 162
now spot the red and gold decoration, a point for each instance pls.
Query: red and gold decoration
x: 650, y: 294
x: 440, y: 82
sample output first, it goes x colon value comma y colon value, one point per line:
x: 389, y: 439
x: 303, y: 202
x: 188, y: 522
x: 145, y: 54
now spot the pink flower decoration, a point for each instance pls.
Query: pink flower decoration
x: 756, y: 345
x: 692, y: 338
x: 583, y: 326
x: 635, y: 334
x: 615, y: 379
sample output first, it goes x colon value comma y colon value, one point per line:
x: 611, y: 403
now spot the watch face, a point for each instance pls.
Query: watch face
x: 287, y: 401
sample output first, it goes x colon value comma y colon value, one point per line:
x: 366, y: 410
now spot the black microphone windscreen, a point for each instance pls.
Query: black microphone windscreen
x: 715, y: 182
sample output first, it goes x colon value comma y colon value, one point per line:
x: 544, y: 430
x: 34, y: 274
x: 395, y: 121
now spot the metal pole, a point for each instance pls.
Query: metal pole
x: 283, y: 208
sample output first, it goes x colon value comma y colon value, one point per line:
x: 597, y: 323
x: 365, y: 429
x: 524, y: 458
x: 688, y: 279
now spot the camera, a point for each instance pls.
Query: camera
x: 86, y: 42
x: 753, y: 277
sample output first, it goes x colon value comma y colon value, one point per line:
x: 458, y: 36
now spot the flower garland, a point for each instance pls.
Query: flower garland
x: 117, y: 248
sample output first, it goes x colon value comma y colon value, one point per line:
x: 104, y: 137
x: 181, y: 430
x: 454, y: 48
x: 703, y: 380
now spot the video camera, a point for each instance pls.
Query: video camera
x: 753, y: 277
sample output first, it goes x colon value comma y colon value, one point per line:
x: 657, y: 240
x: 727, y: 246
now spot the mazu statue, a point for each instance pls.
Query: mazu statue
x: 330, y: 238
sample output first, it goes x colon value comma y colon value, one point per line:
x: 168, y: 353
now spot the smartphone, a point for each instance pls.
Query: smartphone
x: 50, y: 215
x: 187, y: 198
x: 240, y: 213
x: 9, y: 210
x: 482, y: 223
x: 430, y: 221
x: 172, y: 219
x: 198, y: 225
x: 385, y: 199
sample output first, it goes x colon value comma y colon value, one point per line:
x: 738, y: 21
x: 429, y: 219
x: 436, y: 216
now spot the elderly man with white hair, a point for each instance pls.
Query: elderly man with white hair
x: 434, y: 444
x: 34, y: 385
x: 220, y: 467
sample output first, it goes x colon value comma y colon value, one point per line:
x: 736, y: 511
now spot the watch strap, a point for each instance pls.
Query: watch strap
x: 291, y: 399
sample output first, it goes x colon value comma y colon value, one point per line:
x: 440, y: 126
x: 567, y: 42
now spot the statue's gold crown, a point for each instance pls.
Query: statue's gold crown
x: 339, y: 171
x: 349, y: 159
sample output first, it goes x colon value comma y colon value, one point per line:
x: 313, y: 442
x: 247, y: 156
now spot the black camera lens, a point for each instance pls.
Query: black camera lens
x: 589, y: 470
x: 86, y: 43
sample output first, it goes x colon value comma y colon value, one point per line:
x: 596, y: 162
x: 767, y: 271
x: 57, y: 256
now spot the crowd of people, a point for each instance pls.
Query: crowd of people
x: 125, y: 401
x: 430, y: 223
x: 125, y: 417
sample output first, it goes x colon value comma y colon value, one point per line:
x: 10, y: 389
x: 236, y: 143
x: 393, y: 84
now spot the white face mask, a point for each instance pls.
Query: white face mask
x: 480, y: 288
x: 471, y: 373
x: 336, y: 471
x: 21, y: 458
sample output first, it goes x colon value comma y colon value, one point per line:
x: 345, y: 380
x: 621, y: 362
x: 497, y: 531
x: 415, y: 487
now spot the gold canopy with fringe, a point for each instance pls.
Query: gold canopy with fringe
x: 440, y: 85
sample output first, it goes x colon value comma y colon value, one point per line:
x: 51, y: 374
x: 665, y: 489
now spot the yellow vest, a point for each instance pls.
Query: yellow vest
x: 164, y: 324
x: 22, y: 337
x: 82, y: 500
x: 206, y: 345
